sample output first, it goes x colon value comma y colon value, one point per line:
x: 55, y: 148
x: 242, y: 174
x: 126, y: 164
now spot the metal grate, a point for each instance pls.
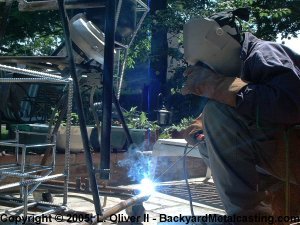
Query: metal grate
x: 203, y: 193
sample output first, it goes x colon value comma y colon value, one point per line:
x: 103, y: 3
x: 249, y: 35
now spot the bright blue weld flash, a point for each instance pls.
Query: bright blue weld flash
x: 147, y: 186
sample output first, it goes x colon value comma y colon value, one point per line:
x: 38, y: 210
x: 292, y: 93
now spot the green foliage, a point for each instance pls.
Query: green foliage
x: 74, y: 119
x: 182, y: 125
x: 30, y: 33
x: 40, y: 32
x: 268, y: 19
x: 139, y: 120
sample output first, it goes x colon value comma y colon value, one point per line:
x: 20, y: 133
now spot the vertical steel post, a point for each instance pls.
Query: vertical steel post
x: 23, y: 162
x: 17, y: 148
x: 67, y: 149
x: 78, y: 101
x: 25, y: 194
x: 110, y: 12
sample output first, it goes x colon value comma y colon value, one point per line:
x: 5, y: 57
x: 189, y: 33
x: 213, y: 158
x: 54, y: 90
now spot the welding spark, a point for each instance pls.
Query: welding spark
x: 147, y: 186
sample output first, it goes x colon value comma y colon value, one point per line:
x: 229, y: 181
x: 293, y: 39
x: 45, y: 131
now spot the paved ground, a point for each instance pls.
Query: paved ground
x: 158, y: 208
x: 166, y: 204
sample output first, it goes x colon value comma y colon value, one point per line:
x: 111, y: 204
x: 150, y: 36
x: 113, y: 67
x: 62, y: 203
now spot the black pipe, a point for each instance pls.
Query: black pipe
x: 125, y: 127
x: 78, y: 101
x: 110, y: 12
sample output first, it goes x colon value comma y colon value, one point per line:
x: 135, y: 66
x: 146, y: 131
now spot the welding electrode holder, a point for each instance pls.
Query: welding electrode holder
x: 199, y: 136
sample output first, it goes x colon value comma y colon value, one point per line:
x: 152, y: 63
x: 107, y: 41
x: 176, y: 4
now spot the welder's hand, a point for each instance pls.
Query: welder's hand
x: 194, y: 133
x: 205, y: 82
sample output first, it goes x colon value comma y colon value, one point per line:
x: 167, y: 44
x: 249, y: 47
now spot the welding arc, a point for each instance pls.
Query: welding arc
x: 182, y: 157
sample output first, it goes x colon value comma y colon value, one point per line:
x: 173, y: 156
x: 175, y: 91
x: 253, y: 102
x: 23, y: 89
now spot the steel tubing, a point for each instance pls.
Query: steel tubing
x: 31, y: 73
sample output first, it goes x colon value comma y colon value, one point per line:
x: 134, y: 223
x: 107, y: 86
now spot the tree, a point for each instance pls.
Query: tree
x: 268, y: 19
x: 38, y: 33
x: 30, y: 33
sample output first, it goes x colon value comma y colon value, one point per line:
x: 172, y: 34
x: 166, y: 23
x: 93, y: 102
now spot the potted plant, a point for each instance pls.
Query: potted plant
x: 141, y: 129
x: 176, y: 131
x: 76, y: 144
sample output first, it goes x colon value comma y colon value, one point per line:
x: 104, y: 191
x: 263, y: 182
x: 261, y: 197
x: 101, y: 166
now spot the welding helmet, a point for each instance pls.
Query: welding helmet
x: 214, y: 41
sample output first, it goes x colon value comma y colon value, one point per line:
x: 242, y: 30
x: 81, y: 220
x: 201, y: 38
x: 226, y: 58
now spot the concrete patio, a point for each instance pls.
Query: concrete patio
x: 157, y: 205
x: 157, y: 208
x: 169, y: 199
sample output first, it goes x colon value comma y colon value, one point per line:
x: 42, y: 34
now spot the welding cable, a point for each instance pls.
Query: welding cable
x: 170, y: 167
x: 186, y: 178
x: 185, y: 172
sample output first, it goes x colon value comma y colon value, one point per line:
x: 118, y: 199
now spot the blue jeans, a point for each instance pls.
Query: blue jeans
x: 236, y: 149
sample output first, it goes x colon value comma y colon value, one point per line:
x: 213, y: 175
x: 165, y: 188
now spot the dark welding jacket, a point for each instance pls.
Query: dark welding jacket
x: 273, y: 92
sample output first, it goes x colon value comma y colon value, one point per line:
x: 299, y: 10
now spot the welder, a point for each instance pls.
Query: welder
x: 250, y: 120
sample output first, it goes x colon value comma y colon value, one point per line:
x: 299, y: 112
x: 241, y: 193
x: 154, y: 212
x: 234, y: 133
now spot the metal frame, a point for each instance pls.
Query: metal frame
x: 108, y: 91
x: 142, y: 7
x: 29, y: 174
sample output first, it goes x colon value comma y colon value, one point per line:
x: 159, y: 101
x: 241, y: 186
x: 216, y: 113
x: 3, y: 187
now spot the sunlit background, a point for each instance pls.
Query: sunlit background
x: 293, y: 43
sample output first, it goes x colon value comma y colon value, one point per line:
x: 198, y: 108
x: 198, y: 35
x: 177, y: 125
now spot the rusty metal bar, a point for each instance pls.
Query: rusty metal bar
x: 122, y: 205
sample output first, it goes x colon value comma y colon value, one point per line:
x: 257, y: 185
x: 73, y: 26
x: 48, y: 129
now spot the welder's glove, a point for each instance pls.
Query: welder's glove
x: 194, y: 133
x: 205, y: 82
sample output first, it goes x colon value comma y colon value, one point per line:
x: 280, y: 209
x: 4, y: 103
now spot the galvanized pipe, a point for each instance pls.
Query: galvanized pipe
x: 32, y: 204
x: 37, y: 184
x: 29, y: 182
x: 143, y: 4
x: 16, y: 147
x: 67, y: 150
x: 25, y: 203
x: 29, y: 80
x: 23, y: 161
x: 15, y: 174
x: 129, y: 45
x: 31, y: 73
x: 22, y: 145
